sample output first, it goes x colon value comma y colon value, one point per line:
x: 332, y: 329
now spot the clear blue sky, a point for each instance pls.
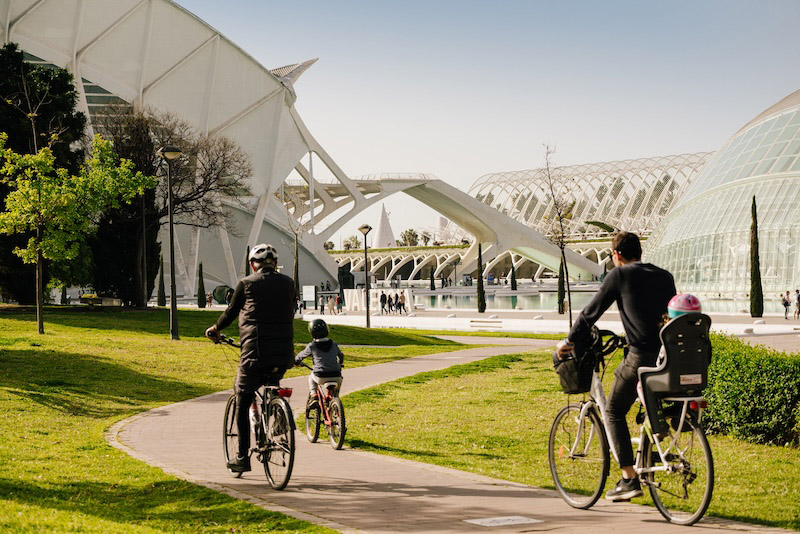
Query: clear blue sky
x: 462, y: 88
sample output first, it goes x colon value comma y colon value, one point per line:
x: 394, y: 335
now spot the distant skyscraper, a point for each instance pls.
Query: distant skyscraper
x: 384, y: 236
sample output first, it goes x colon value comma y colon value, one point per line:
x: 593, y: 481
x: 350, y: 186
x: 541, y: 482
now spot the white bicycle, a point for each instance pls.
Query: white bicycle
x: 677, y: 468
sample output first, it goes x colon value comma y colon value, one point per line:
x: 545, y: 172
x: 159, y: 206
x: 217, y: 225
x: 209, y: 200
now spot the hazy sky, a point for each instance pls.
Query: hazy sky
x: 463, y: 88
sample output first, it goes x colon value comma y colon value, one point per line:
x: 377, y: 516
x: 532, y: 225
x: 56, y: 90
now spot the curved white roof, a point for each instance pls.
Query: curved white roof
x: 154, y: 53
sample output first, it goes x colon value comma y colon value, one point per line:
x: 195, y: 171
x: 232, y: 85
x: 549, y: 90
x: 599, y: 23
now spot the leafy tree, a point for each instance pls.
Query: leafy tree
x: 201, y: 288
x: 37, y: 109
x: 756, y: 291
x: 481, y: 290
x: 513, y: 276
x: 408, y: 238
x: 328, y: 245
x: 162, y: 293
x: 133, y: 228
x: 58, y: 207
x: 352, y: 242
x: 425, y: 238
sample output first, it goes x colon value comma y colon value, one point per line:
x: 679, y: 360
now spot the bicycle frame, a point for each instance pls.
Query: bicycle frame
x: 324, y: 400
x: 598, y: 401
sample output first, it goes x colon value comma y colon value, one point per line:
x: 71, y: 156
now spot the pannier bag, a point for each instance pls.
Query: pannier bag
x: 575, y: 371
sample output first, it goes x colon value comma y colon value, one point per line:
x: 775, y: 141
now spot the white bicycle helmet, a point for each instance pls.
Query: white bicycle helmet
x: 263, y: 252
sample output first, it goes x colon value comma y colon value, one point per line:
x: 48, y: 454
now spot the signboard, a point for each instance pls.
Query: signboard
x: 309, y: 293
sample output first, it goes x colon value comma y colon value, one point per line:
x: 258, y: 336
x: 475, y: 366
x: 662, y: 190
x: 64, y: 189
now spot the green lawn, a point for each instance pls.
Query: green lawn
x: 61, y: 391
x: 493, y: 417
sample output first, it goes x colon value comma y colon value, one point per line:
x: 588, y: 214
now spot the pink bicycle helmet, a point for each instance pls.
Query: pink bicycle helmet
x: 683, y: 303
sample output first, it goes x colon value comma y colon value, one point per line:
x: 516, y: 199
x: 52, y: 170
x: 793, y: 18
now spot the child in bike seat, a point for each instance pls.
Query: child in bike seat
x: 327, y: 358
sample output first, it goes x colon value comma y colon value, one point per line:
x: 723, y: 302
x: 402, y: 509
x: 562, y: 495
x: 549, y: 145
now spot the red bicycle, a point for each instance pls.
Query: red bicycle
x: 326, y: 407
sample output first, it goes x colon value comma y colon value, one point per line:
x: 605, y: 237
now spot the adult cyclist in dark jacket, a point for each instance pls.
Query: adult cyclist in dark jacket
x: 642, y: 292
x: 264, y: 304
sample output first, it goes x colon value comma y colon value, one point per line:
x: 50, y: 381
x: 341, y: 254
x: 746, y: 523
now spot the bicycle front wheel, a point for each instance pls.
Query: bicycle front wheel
x: 312, y: 419
x: 579, y: 458
x: 682, y: 487
x: 278, y: 457
x: 337, y: 429
x: 230, y: 435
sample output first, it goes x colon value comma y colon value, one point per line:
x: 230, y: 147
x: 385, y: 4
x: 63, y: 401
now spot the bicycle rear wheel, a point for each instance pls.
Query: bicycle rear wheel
x: 230, y: 434
x: 683, y: 492
x: 337, y: 429
x: 579, y: 461
x: 278, y: 457
x: 312, y: 419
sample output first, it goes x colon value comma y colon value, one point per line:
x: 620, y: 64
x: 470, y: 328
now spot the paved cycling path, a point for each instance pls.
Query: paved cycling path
x: 356, y: 491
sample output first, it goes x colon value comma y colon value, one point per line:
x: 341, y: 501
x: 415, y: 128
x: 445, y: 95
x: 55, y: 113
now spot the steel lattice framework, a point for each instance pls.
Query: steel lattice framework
x: 632, y: 194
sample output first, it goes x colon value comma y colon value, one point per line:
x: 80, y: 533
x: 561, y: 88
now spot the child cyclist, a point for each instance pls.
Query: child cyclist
x: 327, y: 359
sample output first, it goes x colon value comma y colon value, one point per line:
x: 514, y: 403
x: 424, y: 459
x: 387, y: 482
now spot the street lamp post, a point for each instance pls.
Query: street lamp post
x: 170, y: 153
x: 364, y: 229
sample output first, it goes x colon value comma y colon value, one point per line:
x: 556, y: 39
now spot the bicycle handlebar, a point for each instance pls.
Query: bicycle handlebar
x: 229, y: 341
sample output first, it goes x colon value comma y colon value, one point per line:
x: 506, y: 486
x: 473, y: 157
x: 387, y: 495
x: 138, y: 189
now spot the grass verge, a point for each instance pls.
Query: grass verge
x: 61, y: 391
x: 493, y: 417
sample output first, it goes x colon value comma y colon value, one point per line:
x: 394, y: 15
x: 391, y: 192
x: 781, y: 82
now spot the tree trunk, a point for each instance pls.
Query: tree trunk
x: 560, y: 293
x: 481, y: 290
x: 39, y: 283
x: 138, y: 278
x: 566, y: 282
x: 296, y: 272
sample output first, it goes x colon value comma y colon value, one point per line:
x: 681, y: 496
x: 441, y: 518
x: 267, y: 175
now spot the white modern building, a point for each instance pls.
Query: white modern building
x: 154, y: 54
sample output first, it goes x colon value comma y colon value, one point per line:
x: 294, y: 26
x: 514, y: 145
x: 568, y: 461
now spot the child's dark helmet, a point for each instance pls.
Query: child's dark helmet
x: 318, y: 329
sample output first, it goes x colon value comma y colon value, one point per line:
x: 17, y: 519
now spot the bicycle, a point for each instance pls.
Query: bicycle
x: 678, y: 469
x: 273, y: 431
x: 325, y: 407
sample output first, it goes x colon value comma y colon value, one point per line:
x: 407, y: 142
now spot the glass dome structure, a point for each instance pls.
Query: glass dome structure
x: 705, y: 239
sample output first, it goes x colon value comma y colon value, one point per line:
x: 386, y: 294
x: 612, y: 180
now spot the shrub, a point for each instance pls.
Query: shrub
x: 753, y: 393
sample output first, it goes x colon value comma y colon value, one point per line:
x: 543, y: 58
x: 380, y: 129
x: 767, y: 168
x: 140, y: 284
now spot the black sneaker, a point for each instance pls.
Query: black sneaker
x: 240, y: 465
x: 625, y: 490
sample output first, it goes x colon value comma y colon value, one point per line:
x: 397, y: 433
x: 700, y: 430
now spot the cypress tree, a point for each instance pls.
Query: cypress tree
x: 162, y: 297
x: 201, y: 288
x: 756, y: 291
x: 513, y: 277
x: 481, y: 291
x: 433, y: 283
x: 247, y: 262
x: 561, y: 290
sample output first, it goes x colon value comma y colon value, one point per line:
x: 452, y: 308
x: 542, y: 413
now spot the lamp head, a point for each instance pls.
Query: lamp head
x: 364, y: 229
x: 169, y: 152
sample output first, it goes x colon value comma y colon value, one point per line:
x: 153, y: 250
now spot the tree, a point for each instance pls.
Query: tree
x: 352, y: 242
x: 756, y: 291
x: 426, y: 237
x: 247, y: 261
x: 433, y: 283
x: 210, y: 170
x: 481, y: 290
x: 513, y: 276
x: 37, y: 109
x: 201, y: 288
x: 58, y: 207
x: 561, y: 294
x: 162, y: 294
x: 328, y: 245
x: 408, y: 238
x: 563, y: 202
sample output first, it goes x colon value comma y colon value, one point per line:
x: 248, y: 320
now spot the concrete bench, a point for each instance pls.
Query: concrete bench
x: 486, y: 323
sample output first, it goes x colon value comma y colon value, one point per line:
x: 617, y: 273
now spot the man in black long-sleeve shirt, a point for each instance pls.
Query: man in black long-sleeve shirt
x: 642, y: 292
x: 264, y: 304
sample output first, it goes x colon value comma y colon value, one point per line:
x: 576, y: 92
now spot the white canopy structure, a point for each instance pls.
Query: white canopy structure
x: 155, y: 54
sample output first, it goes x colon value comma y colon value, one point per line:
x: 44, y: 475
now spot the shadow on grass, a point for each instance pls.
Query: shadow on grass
x: 193, y: 324
x: 162, y: 505
x: 369, y: 446
x: 84, y: 385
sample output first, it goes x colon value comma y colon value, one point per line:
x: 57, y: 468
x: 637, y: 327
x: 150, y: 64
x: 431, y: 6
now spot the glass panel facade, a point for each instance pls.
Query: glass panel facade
x: 705, y: 240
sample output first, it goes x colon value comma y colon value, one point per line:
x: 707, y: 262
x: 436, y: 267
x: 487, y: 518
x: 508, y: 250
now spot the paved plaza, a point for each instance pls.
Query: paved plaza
x: 355, y: 491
